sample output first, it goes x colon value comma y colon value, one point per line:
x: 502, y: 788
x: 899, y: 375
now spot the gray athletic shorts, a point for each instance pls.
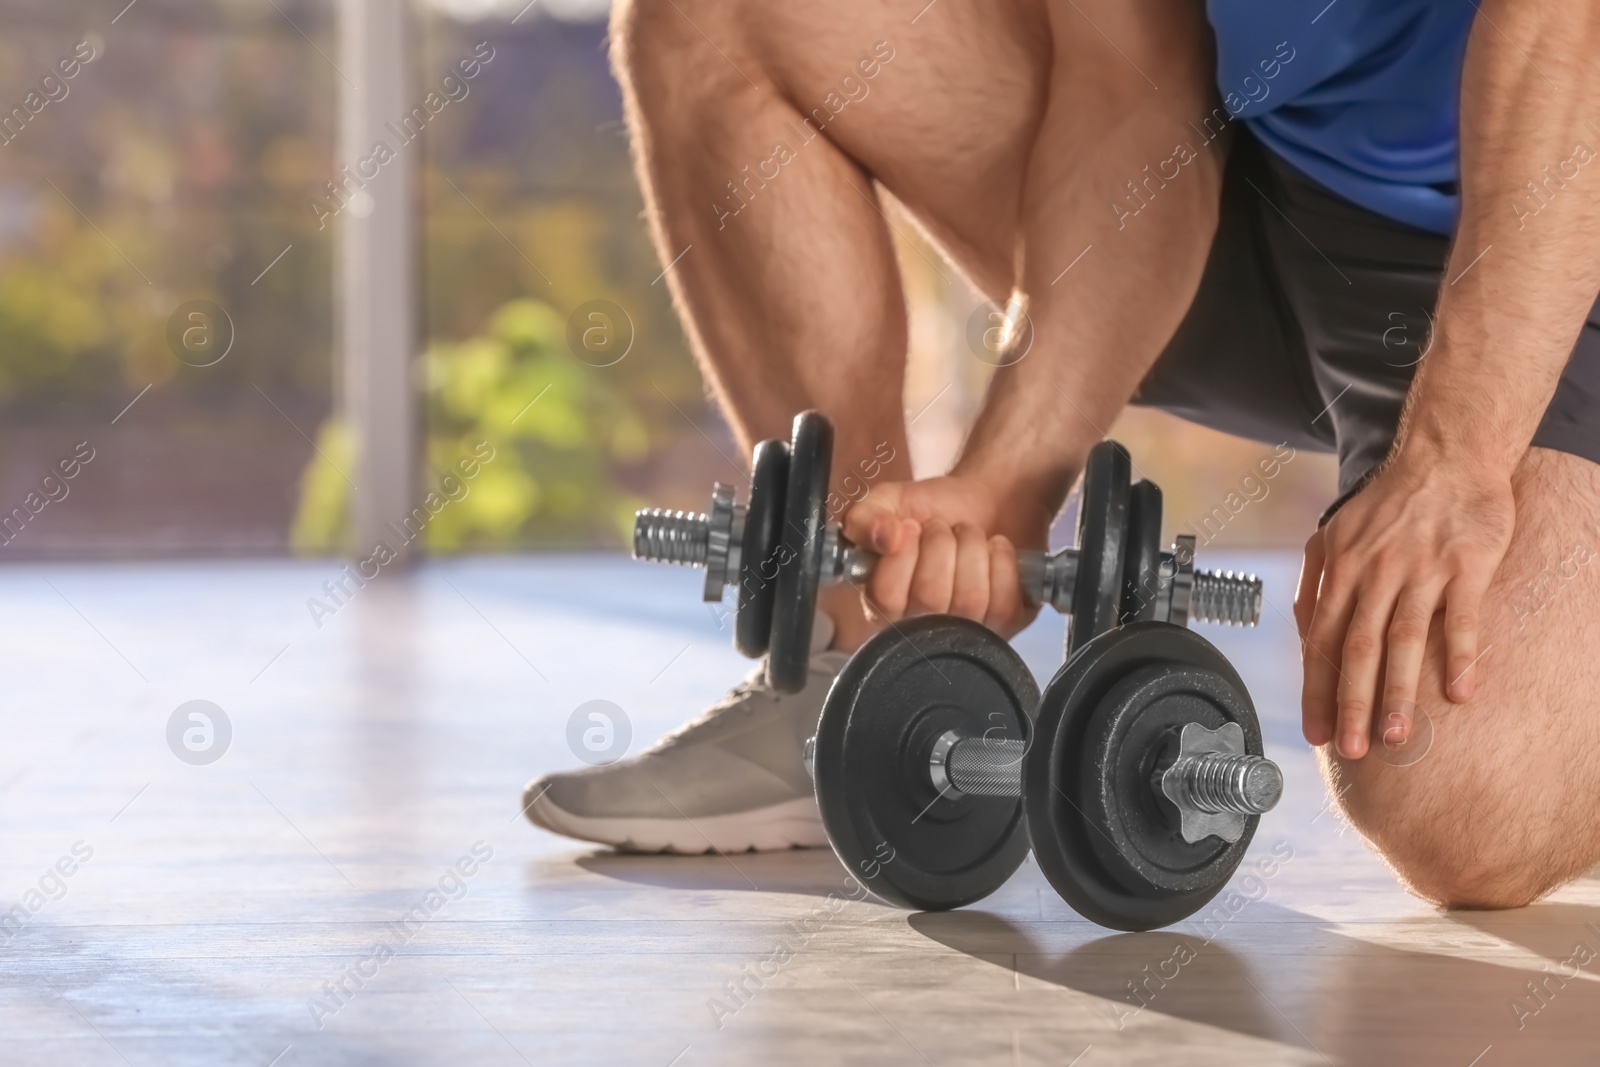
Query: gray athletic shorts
x: 1310, y: 320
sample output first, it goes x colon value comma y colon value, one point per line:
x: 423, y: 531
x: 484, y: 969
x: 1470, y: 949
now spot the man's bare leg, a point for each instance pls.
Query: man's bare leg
x: 1499, y: 807
x: 787, y: 278
x: 782, y: 264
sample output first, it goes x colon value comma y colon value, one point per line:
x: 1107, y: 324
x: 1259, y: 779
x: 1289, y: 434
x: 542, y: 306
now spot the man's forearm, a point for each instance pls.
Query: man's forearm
x: 1107, y: 140
x: 1525, y: 266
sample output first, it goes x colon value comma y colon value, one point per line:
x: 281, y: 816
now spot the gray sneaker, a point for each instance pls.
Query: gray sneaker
x: 731, y: 780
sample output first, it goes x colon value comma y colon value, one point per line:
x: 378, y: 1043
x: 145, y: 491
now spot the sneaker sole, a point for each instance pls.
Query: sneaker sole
x: 792, y: 824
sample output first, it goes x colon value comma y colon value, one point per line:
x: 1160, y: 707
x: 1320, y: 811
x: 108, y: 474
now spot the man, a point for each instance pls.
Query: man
x: 1223, y: 211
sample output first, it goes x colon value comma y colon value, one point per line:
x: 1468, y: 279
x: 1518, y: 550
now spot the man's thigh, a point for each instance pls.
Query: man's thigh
x: 939, y: 105
x: 1497, y: 800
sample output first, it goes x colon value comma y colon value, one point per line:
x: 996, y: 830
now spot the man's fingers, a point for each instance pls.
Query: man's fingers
x: 1408, y: 642
x: 969, y: 597
x: 1305, y: 596
x: 934, y: 579
x: 1324, y: 645
x: 875, y: 522
x: 1316, y: 719
x: 1360, y: 659
x: 889, y: 586
x: 1463, y: 600
x: 1005, y: 589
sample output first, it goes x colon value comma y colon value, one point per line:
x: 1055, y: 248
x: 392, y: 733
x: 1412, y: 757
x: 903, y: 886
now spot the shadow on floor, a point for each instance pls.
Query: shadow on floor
x: 810, y: 871
x: 1298, y: 981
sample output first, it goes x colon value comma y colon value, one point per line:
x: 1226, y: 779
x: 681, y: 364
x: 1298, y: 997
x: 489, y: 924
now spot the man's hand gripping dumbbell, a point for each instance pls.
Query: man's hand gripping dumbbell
x: 778, y: 550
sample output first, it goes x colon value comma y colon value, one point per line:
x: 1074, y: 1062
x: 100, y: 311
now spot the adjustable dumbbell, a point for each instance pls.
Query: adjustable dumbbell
x: 1138, y: 784
x: 778, y: 550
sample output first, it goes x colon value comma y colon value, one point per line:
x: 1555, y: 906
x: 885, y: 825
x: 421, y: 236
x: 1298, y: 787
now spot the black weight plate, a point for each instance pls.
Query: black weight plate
x: 1131, y: 733
x: 758, y: 552
x: 1108, y: 844
x: 1141, y: 563
x: 794, y: 608
x: 895, y: 697
x: 1102, y: 526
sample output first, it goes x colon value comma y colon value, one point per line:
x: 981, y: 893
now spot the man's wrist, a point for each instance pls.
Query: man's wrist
x: 1459, y: 432
x: 1029, y: 494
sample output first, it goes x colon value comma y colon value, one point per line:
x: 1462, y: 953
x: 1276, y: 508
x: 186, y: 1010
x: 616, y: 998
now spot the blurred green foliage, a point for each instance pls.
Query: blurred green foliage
x: 557, y: 430
x: 559, y: 433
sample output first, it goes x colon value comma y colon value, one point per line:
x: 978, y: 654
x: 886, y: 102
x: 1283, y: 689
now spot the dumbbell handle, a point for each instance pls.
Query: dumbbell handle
x: 1202, y: 783
x: 711, y: 541
x: 1213, y: 782
x: 977, y: 766
x: 1049, y: 578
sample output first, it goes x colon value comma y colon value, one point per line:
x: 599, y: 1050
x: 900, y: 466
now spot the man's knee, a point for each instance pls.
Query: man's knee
x: 1490, y: 804
x: 659, y: 55
x: 1460, y: 827
x: 643, y: 43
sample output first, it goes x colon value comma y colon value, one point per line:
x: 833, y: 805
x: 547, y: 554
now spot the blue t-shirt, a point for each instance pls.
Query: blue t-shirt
x: 1362, y: 95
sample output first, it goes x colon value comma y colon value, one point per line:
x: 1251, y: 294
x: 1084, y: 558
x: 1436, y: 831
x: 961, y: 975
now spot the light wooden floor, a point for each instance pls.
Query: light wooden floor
x: 371, y: 755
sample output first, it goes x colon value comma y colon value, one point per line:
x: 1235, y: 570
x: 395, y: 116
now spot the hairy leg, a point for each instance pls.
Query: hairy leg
x: 1494, y: 803
x: 759, y: 131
